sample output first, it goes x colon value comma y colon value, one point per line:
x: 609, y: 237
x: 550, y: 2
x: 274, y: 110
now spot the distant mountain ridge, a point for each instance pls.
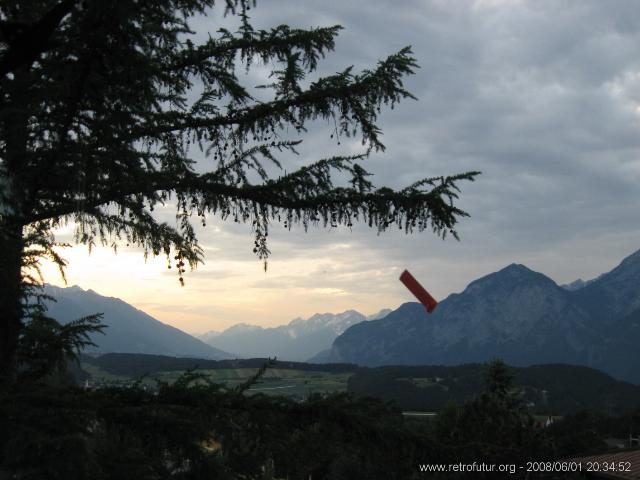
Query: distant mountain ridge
x: 128, y: 329
x: 299, y: 340
x: 516, y: 314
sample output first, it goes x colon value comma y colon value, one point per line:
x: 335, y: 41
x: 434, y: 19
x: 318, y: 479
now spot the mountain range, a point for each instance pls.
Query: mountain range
x: 128, y: 329
x: 516, y: 314
x: 299, y: 340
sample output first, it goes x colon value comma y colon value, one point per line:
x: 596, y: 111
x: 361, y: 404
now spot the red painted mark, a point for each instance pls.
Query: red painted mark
x: 420, y: 293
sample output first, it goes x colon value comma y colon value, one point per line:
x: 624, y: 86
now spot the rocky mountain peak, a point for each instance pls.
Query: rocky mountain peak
x: 516, y: 314
x: 240, y: 328
x: 509, y: 278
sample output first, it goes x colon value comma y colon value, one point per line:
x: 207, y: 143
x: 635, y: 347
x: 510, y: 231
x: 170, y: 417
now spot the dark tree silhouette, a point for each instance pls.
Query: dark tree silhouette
x: 27, y: 41
x: 102, y: 105
x: 494, y: 427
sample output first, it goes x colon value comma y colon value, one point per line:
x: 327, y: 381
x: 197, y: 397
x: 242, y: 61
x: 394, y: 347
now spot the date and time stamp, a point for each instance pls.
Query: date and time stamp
x: 579, y: 466
x: 559, y: 466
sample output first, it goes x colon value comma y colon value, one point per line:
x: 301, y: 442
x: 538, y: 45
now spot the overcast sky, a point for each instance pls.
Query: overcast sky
x: 542, y: 96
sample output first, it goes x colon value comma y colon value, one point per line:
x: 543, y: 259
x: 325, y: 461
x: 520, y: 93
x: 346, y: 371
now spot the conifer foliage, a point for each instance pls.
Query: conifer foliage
x: 495, y: 426
x: 105, y: 105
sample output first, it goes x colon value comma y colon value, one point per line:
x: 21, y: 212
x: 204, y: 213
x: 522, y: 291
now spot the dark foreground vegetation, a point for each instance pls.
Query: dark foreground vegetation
x: 187, y: 431
x: 554, y: 389
x: 192, y: 428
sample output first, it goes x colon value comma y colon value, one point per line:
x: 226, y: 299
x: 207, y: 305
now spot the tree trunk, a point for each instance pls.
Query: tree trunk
x: 11, y: 245
x: 12, y: 204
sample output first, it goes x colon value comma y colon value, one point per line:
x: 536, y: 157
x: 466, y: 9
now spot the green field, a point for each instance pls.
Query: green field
x: 101, y: 376
x: 275, y: 381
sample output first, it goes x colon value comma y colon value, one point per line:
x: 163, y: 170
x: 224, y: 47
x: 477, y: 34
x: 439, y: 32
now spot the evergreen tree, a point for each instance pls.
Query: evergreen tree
x: 102, y: 108
x: 494, y: 427
x: 498, y: 381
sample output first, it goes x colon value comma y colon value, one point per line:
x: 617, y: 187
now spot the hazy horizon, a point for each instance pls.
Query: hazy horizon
x: 408, y: 297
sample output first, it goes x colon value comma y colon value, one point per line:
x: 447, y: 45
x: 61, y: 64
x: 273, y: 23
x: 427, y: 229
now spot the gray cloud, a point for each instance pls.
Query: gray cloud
x: 540, y: 96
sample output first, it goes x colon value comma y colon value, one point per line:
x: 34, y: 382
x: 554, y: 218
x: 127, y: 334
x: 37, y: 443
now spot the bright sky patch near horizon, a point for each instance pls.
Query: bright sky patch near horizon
x: 542, y: 96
